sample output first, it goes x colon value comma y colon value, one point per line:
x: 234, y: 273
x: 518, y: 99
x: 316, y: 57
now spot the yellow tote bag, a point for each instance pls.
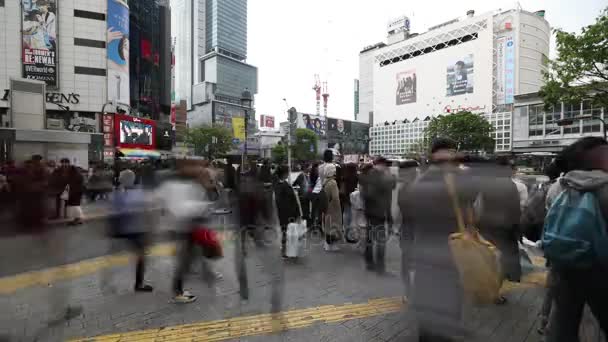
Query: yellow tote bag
x: 476, y: 258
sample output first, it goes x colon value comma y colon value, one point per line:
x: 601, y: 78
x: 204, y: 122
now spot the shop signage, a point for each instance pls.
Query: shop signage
x: 108, y: 130
x: 460, y: 108
x: 60, y: 98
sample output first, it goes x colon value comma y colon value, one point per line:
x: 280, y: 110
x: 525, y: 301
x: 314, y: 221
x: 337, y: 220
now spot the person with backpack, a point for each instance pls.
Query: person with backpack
x: 575, y: 239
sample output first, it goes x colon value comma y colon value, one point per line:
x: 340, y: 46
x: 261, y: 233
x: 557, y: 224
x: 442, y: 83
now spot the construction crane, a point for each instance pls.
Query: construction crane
x: 317, y: 89
x: 325, y: 98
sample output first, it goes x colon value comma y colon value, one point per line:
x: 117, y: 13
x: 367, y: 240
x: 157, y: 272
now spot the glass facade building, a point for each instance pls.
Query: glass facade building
x: 226, y: 27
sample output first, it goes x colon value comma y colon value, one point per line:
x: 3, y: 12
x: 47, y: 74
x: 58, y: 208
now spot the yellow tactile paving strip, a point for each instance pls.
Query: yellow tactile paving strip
x: 43, y: 277
x: 226, y: 329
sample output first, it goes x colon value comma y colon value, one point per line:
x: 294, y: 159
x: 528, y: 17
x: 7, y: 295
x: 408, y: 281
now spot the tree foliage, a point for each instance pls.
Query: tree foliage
x: 279, y: 154
x: 305, y: 145
x: 202, y: 138
x: 580, y: 70
x: 471, y: 131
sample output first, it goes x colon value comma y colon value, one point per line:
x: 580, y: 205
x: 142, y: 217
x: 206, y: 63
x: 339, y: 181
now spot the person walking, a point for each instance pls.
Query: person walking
x: 288, y: 209
x: 302, y: 183
x: 332, y: 223
x: 499, y: 211
x: 437, y: 299
x: 348, y: 186
x: 126, y: 179
x: 586, y: 171
x: 74, y: 183
x: 319, y: 197
x: 377, y: 186
x: 185, y: 199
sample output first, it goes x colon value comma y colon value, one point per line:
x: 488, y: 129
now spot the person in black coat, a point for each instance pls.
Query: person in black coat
x: 288, y: 208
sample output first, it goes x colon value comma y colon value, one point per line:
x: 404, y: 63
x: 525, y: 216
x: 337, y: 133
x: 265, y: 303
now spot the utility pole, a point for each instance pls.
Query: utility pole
x: 291, y: 117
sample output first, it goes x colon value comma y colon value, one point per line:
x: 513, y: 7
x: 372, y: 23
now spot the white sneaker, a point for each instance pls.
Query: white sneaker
x: 184, y: 298
x: 326, y: 246
x: 335, y: 248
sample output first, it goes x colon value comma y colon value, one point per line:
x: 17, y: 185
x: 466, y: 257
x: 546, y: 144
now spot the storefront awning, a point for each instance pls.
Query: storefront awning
x: 138, y: 153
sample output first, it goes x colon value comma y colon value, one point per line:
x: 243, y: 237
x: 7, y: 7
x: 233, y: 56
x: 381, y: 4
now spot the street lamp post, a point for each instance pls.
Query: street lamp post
x: 245, y: 102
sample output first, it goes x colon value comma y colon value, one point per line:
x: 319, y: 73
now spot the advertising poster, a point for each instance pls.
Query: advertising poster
x: 314, y: 123
x: 500, y: 70
x: 39, y: 41
x: 338, y: 127
x: 238, y: 128
x: 406, y: 87
x: 134, y: 132
x: 509, y: 70
x: 460, y: 76
x: 267, y: 121
x: 118, y: 51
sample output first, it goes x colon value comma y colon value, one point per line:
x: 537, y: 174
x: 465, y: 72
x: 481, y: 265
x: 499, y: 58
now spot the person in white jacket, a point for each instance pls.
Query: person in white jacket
x: 185, y: 200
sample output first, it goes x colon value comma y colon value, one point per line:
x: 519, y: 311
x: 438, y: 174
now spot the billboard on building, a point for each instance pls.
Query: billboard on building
x: 39, y: 41
x: 238, y: 128
x: 118, y: 51
x: 314, y: 123
x: 338, y: 127
x: 267, y: 121
x: 406, y: 87
x: 460, y: 76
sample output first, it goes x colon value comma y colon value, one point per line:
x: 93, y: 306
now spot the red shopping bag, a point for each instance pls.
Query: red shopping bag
x: 209, y: 240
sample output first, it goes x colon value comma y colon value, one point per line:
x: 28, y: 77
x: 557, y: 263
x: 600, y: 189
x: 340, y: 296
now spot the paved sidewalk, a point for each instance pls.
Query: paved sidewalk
x: 336, y: 284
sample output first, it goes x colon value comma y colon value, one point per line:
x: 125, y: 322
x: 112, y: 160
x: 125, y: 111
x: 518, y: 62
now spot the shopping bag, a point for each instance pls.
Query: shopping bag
x: 65, y: 195
x: 293, y: 243
x: 477, y: 259
x: 209, y: 241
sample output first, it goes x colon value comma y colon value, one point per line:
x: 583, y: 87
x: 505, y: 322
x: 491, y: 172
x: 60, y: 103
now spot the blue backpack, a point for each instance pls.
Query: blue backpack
x: 575, y: 233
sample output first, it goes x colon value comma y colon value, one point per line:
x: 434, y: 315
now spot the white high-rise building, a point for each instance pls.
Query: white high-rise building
x: 474, y: 63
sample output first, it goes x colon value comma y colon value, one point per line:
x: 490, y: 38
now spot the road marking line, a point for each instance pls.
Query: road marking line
x: 225, y: 329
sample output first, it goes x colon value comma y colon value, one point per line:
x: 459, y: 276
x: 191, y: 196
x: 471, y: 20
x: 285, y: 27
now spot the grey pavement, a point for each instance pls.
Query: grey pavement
x: 318, y: 278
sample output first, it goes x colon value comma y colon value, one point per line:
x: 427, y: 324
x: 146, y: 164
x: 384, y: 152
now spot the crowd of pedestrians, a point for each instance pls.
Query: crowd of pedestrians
x: 362, y: 204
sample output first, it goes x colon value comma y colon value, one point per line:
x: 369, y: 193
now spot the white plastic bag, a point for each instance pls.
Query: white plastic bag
x: 292, y: 248
x: 65, y: 195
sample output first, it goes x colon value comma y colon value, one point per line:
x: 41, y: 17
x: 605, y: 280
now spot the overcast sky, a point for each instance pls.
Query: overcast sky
x: 291, y: 40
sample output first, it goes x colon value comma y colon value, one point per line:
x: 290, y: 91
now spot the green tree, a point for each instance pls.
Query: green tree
x: 580, y: 70
x: 471, y: 131
x: 279, y: 153
x: 210, y: 141
x: 305, y: 145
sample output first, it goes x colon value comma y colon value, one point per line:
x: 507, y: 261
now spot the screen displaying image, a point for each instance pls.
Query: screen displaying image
x: 460, y: 76
x: 135, y: 133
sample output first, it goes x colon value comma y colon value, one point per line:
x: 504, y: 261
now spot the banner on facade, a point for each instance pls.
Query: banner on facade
x: 406, y: 87
x: 238, y: 128
x: 500, y: 70
x: 509, y: 70
x: 460, y: 76
x: 118, y: 51
x: 39, y: 41
x: 267, y: 121
x: 315, y: 123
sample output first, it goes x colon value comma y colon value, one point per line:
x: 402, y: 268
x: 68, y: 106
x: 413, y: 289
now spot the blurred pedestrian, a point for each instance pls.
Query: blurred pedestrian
x: 376, y: 187
x: 347, y: 187
x: 126, y: 178
x: 185, y: 199
x: 319, y: 197
x: 288, y: 210
x: 332, y: 222
x: 428, y: 210
x: 302, y: 182
x: 99, y: 184
x: 499, y: 212
x: 73, y: 182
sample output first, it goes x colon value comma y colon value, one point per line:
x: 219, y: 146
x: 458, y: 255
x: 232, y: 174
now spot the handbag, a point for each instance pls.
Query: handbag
x: 476, y: 259
x: 65, y: 195
x: 209, y: 241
